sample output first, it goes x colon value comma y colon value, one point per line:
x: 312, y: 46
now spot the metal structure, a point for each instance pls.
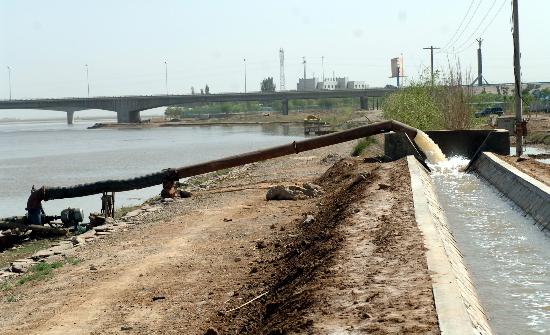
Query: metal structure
x: 480, y: 77
x: 282, y: 85
x: 225, y: 163
x: 304, y: 62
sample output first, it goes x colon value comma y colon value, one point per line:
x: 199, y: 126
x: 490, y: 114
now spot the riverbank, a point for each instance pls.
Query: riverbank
x: 318, y: 265
x: 337, y: 118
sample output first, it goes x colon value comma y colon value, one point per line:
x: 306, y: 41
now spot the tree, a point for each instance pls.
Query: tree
x: 267, y: 85
x: 207, y: 89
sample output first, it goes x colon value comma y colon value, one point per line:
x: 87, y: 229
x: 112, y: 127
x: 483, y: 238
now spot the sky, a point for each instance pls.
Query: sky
x: 126, y: 43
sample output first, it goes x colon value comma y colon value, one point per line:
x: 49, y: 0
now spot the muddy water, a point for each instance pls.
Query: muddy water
x: 54, y: 154
x: 508, y: 256
x: 429, y: 148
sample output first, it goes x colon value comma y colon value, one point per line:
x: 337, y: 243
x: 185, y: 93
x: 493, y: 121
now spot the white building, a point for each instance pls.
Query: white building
x: 357, y: 85
x: 330, y: 84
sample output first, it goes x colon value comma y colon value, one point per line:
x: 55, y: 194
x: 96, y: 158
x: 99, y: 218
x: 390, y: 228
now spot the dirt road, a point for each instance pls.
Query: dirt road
x: 356, y: 266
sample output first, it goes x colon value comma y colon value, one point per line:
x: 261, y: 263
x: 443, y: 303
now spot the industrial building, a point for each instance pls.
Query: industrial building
x: 331, y: 84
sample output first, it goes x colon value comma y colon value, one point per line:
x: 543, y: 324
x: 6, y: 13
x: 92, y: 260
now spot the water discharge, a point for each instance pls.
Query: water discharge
x: 429, y: 148
x: 504, y: 250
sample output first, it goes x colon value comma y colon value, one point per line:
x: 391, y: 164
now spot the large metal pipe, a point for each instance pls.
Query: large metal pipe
x: 228, y: 162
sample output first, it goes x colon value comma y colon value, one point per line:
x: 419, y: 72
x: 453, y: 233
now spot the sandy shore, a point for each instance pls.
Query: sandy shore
x: 357, y: 267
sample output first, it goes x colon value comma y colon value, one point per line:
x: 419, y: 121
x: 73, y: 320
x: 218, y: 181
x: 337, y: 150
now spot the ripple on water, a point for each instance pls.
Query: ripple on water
x: 508, y: 256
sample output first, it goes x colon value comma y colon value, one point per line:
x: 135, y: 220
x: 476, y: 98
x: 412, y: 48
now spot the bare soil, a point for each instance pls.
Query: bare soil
x: 530, y: 166
x: 358, y: 267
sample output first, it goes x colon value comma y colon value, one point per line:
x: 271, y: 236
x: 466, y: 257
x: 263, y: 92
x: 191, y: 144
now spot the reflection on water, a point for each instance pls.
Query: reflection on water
x: 55, y: 154
x: 507, y: 254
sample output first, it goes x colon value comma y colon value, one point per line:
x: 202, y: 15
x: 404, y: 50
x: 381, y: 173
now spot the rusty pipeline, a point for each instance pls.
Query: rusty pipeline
x: 227, y: 162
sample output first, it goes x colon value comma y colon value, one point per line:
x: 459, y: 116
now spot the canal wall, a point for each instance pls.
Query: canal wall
x: 525, y: 191
x: 452, y: 142
x: 456, y: 301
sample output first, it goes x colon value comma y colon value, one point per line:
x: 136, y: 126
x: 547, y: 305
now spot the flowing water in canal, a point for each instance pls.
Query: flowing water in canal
x: 507, y: 254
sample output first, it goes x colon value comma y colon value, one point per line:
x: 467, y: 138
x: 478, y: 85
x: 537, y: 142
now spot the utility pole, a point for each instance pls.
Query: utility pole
x: 323, y: 66
x: 304, y: 62
x: 9, y: 79
x: 479, y: 64
x: 166, y: 76
x: 87, y: 79
x: 244, y: 75
x: 517, y: 81
x: 431, y: 48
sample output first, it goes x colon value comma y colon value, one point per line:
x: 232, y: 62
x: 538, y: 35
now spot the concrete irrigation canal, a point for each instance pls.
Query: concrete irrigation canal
x: 403, y: 242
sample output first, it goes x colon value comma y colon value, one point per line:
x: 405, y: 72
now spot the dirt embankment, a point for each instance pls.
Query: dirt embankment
x: 530, y: 166
x: 229, y: 260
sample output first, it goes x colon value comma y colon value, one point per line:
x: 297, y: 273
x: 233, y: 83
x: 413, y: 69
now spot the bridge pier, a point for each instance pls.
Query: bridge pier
x: 70, y: 115
x: 284, y: 106
x: 128, y: 117
x: 364, y: 103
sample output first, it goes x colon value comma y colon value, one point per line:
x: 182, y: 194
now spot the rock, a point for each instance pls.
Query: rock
x: 227, y: 220
x: 331, y: 159
x: 383, y: 186
x: 185, y: 194
x: 109, y: 220
x: 77, y: 240
x: 126, y: 328
x: 18, y: 267
x: 102, y: 233
x: 211, y: 331
x: 309, y: 219
x: 167, y: 200
x: 93, y: 268
x: 132, y: 214
x: 96, y: 219
x: 237, y: 259
x: 42, y: 254
x: 279, y: 192
x: 102, y: 228
x: 260, y: 245
x: 254, y: 270
x: 312, y: 190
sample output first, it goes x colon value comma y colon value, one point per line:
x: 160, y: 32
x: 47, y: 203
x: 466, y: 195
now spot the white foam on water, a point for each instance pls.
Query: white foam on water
x: 429, y: 148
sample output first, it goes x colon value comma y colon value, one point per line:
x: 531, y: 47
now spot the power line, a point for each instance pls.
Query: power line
x: 467, y: 24
x: 478, y: 26
x: 486, y: 27
x: 460, y: 25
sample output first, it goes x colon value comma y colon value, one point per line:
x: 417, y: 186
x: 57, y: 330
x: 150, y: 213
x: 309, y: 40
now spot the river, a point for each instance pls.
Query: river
x: 56, y: 154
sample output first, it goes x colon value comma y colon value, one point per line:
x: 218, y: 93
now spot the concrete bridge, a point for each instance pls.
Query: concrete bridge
x: 129, y: 107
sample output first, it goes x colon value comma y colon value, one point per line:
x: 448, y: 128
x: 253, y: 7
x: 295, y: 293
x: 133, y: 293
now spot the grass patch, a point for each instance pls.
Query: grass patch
x: 38, y: 271
x: 12, y: 298
x: 361, y: 145
x: 538, y: 138
x: 23, y: 251
x: 73, y: 260
x: 119, y: 213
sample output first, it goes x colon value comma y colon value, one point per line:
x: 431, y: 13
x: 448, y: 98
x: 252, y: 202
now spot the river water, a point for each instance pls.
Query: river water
x: 507, y: 254
x: 56, y: 154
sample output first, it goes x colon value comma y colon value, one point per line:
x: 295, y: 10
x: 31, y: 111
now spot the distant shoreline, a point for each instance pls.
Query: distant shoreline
x: 187, y: 124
